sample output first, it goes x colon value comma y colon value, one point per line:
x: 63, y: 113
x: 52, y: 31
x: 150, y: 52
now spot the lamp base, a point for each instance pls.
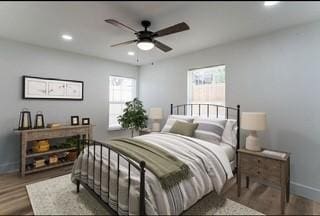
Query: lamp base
x: 253, y: 142
x: 155, y: 127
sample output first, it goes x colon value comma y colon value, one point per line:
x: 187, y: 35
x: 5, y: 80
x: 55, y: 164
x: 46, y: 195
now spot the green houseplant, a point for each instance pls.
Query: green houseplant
x: 134, y: 116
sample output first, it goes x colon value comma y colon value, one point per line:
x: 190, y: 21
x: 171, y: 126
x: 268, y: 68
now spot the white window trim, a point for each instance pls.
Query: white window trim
x: 189, y: 90
x: 114, y: 128
x: 118, y: 128
x: 189, y: 79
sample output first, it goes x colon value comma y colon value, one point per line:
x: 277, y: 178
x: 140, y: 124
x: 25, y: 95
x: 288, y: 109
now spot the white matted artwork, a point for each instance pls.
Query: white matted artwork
x: 56, y: 88
x: 74, y: 89
x: 38, y: 88
x: 49, y: 88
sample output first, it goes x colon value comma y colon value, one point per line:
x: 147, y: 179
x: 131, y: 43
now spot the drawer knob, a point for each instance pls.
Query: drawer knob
x: 258, y: 172
x: 258, y: 161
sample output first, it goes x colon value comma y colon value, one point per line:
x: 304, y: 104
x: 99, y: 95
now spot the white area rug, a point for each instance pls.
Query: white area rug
x: 57, y: 196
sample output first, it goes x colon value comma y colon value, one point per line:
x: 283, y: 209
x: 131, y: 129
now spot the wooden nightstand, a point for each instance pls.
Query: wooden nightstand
x: 144, y: 131
x: 266, y: 168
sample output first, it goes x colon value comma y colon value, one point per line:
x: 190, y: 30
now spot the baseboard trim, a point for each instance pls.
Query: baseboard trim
x: 305, y: 191
x: 9, y: 167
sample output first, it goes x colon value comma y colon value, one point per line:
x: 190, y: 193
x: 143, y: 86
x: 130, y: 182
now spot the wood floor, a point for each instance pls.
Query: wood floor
x: 14, y: 198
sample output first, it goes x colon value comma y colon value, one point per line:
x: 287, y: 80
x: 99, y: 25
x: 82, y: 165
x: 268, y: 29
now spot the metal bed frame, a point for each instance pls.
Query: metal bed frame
x: 140, y: 166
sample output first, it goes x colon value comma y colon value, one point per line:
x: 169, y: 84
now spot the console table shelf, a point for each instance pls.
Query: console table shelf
x: 81, y: 131
x: 49, y: 167
x: 50, y: 152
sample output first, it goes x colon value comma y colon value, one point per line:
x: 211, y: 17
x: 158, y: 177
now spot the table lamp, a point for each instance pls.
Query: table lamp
x: 253, y: 121
x: 155, y: 115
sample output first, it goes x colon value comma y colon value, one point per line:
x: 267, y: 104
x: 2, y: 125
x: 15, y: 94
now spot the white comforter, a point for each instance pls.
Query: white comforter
x: 208, y: 163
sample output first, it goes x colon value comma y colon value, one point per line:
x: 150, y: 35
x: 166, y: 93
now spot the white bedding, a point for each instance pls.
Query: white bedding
x: 208, y: 163
x: 229, y: 150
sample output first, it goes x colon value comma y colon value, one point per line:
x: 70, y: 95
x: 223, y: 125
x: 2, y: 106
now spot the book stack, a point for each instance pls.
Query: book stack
x: 39, y: 162
x: 274, y: 154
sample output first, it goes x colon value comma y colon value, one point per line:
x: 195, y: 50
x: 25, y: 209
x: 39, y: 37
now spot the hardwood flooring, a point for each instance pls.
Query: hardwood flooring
x: 14, y: 198
x: 267, y: 200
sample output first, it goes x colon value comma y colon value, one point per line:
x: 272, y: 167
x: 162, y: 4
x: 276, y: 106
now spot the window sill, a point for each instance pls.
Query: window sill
x: 115, y: 129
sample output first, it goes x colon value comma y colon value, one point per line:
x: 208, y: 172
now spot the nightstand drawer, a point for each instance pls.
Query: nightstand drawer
x: 249, y: 165
x: 264, y: 168
x: 247, y: 159
x: 270, y: 170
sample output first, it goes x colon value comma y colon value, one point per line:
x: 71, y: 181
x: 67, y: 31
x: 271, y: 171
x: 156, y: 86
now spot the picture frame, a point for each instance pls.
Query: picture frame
x: 74, y: 120
x: 51, y: 88
x: 85, y: 121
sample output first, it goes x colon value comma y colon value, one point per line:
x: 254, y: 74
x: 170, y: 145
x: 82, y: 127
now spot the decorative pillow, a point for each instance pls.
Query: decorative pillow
x: 183, y: 128
x: 183, y: 117
x: 172, y: 119
x: 210, y: 130
x: 229, y: 135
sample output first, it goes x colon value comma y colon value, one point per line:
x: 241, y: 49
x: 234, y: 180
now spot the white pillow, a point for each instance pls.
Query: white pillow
x: 172, y: 119
x: 229, y: 135
x: 209, y: 129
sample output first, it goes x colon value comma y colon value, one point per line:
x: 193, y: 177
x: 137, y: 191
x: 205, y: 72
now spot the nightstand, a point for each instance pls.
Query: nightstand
x: 266, y: 168
x: 144, y: 131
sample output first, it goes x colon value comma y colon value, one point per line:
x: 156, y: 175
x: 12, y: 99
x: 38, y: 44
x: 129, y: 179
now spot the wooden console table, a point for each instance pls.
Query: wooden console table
x: 82, y: 131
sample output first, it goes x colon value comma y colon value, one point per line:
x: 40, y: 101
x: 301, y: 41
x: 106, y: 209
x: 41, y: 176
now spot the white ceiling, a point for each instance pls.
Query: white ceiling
x: 211, y: 23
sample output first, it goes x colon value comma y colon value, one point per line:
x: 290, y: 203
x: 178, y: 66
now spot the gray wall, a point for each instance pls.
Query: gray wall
x: 17, y: 59
x: 276, y: 73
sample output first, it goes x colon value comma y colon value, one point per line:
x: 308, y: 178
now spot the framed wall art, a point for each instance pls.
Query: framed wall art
x: 85, y: 121
x: 75, y: 120
x: 50, y: 88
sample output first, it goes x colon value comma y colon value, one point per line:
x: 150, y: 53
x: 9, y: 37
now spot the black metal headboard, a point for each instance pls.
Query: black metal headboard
x: 185, y: 109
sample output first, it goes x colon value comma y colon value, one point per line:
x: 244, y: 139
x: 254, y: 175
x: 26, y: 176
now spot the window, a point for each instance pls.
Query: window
x: 206, y: 86
x: 121, y: 90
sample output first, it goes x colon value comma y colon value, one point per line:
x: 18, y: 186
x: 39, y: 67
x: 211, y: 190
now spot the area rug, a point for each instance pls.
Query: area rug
x: 57, y: 196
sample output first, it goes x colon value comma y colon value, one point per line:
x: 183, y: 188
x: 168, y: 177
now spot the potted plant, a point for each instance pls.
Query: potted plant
x: 134, y: 116
x: 72, y: 142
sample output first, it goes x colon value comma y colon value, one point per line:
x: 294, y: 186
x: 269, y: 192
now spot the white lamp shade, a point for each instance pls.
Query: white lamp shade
x: 255, y: 121
x: 155, y: 113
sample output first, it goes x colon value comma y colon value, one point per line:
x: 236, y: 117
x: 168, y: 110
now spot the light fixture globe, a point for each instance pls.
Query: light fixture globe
x: 145, y: 44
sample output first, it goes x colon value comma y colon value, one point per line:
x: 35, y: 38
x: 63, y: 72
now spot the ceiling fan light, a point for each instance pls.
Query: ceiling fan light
x: 145, y: 45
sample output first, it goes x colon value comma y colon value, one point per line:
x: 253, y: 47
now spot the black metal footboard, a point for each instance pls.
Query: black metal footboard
x: 140, y: 166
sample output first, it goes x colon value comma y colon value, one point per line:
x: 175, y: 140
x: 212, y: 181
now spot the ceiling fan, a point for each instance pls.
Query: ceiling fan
x: 146, y: 39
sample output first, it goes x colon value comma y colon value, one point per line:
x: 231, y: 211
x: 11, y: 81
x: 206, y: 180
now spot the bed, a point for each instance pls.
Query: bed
x: 125, y: 186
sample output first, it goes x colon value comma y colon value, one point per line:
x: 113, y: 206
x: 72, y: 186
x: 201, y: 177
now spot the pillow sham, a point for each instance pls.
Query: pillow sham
x: 172, y: 119
x: 229, y: 135
x: 183, y: 128
x: 210, y: 130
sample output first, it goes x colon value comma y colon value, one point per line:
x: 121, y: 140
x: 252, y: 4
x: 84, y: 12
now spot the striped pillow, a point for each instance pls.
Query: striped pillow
x: 210, y: 130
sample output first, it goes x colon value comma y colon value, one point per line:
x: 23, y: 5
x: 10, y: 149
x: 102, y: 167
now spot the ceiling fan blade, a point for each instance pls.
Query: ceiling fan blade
x: 119, y: 24
x: 162, y: 46
x: 124, y: 43
x: 172, y: 29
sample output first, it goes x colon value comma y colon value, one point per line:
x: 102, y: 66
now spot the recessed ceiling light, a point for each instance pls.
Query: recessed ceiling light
x: 271, y: 3
x: 66, y: 37
x: 130, y: 53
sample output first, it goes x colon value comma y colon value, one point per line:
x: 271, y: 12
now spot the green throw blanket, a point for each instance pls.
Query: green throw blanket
x: 169, y: 169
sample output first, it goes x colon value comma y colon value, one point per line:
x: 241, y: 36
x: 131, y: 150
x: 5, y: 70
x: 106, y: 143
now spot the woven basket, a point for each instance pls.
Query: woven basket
x: 40, y: 146
x: 72, y: 156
